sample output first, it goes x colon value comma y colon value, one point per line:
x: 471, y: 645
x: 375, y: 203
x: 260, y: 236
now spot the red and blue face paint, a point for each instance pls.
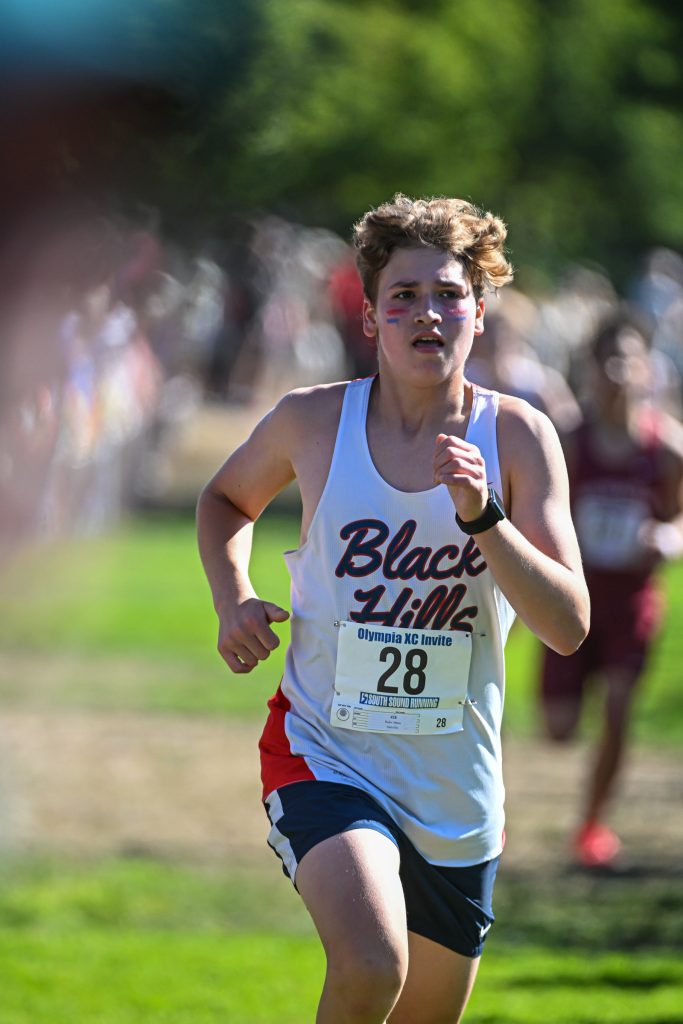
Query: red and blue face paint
x: 455, y: 312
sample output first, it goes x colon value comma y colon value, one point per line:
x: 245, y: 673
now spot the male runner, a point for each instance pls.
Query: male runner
x: 433, y: 511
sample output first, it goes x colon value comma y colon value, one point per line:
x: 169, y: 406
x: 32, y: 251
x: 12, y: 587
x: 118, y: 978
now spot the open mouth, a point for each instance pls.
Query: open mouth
x: 428, y: 342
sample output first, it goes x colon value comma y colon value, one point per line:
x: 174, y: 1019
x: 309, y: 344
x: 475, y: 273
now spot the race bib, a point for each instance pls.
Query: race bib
x: 608, y: 530
x: 404, y: 681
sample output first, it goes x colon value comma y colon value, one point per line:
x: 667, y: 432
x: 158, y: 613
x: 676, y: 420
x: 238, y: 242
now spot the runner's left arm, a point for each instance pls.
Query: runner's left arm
x: 534, y: 554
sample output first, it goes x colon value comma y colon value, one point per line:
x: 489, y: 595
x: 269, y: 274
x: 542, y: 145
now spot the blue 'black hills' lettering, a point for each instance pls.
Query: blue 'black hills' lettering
x: 365, y: 539
x: 441, y: 608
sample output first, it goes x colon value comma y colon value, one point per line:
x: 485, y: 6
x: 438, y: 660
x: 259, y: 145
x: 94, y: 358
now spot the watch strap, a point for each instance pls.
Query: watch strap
x: 492, y: 514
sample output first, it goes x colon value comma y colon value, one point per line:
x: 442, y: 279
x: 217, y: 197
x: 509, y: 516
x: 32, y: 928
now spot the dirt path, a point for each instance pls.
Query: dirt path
x: 111, y: 783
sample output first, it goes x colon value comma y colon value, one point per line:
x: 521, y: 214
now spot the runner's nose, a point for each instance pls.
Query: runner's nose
x: 427, y: 313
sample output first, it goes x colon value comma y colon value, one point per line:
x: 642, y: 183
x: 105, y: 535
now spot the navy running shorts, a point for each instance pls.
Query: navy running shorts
x: 451, y: 906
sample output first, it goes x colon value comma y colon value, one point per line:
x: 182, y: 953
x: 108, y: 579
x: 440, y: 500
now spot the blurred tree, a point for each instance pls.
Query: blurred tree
x: 347, y: 102
x: 603, y: 143
x: 567, y: 117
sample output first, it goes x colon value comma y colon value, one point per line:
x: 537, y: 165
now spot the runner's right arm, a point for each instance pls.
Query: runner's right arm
x: 226, y: 511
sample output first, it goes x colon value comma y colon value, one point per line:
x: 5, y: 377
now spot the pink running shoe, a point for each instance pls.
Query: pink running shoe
x: 596, y: 845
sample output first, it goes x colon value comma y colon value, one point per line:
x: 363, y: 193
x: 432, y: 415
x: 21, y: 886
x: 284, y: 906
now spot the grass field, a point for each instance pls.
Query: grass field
x: 126, y: 941
x: 125, y: 623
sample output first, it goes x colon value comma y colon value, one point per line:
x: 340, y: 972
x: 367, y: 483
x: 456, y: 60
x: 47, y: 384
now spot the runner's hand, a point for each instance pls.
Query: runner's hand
x: 460, y: 466
x: 245, y: 636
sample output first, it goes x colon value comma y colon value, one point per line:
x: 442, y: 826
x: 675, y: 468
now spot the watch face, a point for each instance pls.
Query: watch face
x: 496, y: 503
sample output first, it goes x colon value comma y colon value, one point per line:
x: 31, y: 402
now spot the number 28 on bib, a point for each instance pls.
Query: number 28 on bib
x: 411, y: 682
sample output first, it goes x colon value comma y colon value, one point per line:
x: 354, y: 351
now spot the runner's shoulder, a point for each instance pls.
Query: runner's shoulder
x: 308, y: 411
x: 519, y: 421
x: 528, y: 444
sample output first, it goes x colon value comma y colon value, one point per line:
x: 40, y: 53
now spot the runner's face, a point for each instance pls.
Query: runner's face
x: 425, y: 316
x: 624, y: 371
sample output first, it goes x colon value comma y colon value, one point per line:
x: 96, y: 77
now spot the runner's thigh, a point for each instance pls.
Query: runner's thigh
x: 438, y: 984
x: 351, y: 887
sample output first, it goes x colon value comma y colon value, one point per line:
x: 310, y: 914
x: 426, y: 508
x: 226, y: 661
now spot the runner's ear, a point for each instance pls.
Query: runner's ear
x: 369, y: 319
x: 479, y: 318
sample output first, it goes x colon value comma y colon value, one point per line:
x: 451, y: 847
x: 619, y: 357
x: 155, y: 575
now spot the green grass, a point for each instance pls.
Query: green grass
x: 170, y: 977
x: 126, y: 941
x: 571, y: 911
x: 125, y: 621
x: 532, y: 986
x: 134, y: 977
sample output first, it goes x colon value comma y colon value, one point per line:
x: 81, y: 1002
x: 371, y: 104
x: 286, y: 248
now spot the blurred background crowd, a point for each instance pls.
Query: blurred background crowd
x: 118, y: 337
x: 179, y: 181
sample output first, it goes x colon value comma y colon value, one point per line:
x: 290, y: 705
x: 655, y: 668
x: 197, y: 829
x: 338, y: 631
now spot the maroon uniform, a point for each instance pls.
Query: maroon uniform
x: 611, y: 500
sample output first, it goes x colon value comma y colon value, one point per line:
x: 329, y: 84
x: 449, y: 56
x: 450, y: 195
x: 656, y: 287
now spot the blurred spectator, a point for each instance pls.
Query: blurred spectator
x: 660, y: 283
x: 346, y: 302
x: 568, y: 317
x: 239, y: 309
x: 80, y: 382
x: 658, y: 293
x: 503, y: 360
x: 113, y: 338
x: 293, y: 340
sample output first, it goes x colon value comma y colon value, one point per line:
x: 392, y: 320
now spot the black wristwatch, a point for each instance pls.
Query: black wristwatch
x: 492, y: 514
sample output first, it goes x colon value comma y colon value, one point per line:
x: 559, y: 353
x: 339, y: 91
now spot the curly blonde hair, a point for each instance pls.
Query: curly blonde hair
x: 453, y: 225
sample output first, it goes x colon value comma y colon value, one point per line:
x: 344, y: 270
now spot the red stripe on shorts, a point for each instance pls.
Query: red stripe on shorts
x: 279, y: 766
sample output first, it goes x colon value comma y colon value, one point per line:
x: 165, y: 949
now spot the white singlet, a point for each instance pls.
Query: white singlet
x: 383, y: 565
